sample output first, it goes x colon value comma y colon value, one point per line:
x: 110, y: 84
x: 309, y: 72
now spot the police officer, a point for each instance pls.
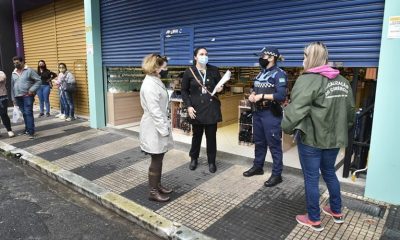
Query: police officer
x: 269, y: 90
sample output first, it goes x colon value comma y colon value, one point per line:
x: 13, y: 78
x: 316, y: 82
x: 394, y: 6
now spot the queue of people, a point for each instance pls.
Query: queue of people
x: 319, y: 116
x: 26, y: 83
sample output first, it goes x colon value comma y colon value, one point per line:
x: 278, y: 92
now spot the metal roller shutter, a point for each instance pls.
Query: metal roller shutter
x: 234, y: 30
x: 39, y: 36
x: 56, y: 33
x: 71, y: 46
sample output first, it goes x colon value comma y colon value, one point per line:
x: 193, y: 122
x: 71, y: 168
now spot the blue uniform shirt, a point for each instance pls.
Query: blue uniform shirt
x: 271, y: 81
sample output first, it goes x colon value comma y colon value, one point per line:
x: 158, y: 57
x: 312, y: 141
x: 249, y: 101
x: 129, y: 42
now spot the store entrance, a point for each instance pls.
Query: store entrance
x: 234, y: 134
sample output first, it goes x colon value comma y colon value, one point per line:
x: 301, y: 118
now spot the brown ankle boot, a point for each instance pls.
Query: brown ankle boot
x: 156, y: 196
x: 163, y: 189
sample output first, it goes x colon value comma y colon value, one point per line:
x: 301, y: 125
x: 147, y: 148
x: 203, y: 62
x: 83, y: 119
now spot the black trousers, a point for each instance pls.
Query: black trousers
x: 211, y: 138
x: 4, y: 114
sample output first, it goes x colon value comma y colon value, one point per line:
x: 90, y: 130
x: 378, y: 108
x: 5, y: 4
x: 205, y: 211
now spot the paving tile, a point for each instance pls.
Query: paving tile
x: 181, y: 179
x: 94, y: 154
x: 74, y: 143
x: 224, y: 205
x: 136, y: 174
x: 55, y: 139
x: 41, y: 139
x: 110, y: 164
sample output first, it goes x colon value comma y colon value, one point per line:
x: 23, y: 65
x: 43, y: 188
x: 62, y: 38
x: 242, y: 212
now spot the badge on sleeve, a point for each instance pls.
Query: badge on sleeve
x: 282, y: 80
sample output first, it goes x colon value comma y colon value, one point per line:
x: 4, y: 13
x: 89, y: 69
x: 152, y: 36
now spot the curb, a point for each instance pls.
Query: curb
x: 126, y: 208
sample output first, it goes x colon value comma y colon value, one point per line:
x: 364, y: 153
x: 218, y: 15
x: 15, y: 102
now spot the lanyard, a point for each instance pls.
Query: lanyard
x: 203, y: 77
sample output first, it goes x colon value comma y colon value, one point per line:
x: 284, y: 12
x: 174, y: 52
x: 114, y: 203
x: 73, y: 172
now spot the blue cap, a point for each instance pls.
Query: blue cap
x: 271, y: 51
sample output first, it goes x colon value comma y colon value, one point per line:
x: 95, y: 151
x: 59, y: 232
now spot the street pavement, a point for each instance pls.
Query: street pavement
x: 33, y: 206
x: 224, y: 205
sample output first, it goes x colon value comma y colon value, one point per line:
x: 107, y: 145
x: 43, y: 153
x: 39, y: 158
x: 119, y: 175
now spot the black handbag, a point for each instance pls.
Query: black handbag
x: 69, y: 87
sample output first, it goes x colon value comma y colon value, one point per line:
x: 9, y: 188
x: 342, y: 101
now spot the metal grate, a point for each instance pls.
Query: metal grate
x: 364, y: 207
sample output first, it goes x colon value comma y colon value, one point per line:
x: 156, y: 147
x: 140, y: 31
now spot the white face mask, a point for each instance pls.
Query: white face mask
x: 203, y: 60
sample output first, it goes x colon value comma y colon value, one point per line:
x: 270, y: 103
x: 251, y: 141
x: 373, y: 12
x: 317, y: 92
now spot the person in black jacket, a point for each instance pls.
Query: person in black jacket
x: 204, y: 110
x: 44, y: 91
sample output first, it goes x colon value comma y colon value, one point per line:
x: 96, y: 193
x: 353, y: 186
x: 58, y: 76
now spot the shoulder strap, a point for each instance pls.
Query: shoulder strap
x: 204, y: 87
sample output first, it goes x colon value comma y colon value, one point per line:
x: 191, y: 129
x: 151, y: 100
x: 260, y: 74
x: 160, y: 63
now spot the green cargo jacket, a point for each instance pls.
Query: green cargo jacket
x: 322, y: 109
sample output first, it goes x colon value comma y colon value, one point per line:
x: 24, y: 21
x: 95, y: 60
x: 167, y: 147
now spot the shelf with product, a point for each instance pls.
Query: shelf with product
x: 179, y: 117
x: 245, y: 123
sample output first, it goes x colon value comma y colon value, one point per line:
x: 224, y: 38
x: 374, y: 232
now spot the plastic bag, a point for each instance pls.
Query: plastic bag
x: 16, y: 115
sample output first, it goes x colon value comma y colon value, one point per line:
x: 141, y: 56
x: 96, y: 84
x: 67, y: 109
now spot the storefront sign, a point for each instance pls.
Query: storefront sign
x: 394, y: 27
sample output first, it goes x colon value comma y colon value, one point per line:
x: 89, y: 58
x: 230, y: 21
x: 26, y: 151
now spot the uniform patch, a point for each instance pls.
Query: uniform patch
x: 282, y: 80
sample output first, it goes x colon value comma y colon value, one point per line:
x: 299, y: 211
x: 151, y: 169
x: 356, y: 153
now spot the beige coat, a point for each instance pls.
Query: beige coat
x: 155, y: 128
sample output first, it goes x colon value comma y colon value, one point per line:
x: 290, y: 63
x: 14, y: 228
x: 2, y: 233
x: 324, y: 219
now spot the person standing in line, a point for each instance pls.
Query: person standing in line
x: 319, y: 115
x: 66, y: 78
x: 204, y: 110
x: 44, y: 91
x: 24, y: 84
x: 4, y: 105
x: 155, y: 128
x: 269, y: 91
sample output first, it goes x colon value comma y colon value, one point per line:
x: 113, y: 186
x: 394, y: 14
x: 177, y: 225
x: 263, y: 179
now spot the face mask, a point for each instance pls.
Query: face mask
x: 163, y: 73
x: 203, y: 60
x: 263, y: 62
x: 17, y: 65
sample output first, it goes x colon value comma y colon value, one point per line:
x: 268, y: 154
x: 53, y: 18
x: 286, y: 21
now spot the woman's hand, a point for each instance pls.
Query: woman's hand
x: 192, y: 112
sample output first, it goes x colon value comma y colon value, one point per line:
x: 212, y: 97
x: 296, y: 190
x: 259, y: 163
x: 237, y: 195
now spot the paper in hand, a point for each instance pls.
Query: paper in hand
x: 224, y: 79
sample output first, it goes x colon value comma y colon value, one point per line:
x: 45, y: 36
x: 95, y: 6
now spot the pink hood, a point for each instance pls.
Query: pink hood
x: 325, y: 71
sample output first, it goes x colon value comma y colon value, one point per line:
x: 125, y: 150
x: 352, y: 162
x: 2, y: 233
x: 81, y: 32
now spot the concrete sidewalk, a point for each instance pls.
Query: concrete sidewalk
x: 108, y: 166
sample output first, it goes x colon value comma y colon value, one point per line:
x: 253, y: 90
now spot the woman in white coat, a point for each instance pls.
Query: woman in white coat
x: 155, y: 130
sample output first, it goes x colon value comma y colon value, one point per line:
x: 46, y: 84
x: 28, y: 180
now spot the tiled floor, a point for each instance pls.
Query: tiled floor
x: 227, y: 142
x: 224, y: 205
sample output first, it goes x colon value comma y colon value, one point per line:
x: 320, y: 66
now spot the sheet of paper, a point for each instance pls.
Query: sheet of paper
x: 224, y: 79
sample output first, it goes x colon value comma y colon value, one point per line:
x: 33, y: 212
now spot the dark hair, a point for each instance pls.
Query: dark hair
x: 38, y: 68
x: 19, y: 58
x: 64, y: 65
x: 196, y: 50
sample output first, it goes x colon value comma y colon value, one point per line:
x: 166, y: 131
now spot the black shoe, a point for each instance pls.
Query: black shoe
x: 253, y: 171
x: 41, y: 115
x: 273, y: 180
x: 47, y: 114
x: 193, y: 164
x: 22, y: 133
x: 212, y: 167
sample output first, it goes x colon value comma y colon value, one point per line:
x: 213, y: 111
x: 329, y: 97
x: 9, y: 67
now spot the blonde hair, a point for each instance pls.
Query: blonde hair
x: 316, y: 54
x: 152, y: 62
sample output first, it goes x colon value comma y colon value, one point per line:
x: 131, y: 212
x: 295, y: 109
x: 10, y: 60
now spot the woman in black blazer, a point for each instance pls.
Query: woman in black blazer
x: 204, y: 110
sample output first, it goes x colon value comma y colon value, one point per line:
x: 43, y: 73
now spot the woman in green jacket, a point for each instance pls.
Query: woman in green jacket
x: 320, y: 113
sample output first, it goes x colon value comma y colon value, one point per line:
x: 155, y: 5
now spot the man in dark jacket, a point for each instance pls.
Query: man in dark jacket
x: 24, y: 84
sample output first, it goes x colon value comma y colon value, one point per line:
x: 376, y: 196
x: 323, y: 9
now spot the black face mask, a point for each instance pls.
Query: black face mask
x: 263, y: 62
x: 163, y: 73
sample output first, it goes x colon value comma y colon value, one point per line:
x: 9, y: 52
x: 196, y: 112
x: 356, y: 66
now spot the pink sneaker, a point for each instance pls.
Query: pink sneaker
x: 337, y: 217
x: 304, y: 220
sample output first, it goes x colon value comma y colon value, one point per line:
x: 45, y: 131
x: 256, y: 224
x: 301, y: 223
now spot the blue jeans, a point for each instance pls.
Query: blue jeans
x: 267, y: 133
x: 43, y: 94
x: 25, y: 104
x: 62, y: 111
x: 68, y: 102
x: 312, y: 160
